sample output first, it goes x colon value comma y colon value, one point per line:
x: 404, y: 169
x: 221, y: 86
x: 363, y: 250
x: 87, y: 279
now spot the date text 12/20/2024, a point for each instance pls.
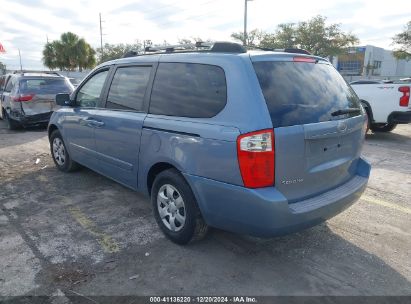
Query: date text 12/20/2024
x: 203, y: 299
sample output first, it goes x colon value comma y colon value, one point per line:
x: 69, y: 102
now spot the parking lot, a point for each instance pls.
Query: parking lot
x: 83, y: 234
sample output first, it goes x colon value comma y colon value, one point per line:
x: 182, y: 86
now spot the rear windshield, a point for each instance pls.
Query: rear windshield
x: 302, y: 93
x: 44, y: 86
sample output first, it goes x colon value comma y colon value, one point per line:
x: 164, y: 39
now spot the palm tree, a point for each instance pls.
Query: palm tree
x: 70, y: 52
x: 49, y: 56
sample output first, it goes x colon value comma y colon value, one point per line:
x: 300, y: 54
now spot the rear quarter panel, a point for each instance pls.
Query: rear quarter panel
x: 207, y: 147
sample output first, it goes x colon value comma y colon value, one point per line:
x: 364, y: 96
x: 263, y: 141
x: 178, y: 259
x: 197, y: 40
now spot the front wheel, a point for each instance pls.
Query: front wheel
x: 60, y: 154
x: 388, y: 127
x: 175, y: 208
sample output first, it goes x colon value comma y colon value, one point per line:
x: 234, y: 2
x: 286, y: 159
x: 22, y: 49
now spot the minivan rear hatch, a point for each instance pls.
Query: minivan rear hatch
x: 38, y: 94
x: 318, y: 124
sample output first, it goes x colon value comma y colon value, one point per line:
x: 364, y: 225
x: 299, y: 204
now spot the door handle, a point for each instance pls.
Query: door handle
x: 97, y: 123
x: 91, y: 122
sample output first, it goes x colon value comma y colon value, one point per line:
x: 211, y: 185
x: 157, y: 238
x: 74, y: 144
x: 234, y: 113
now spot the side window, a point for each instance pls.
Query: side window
x: 188, y: 90
x: 9, y: 85
x: 89, y: 94
x: 128, y: 88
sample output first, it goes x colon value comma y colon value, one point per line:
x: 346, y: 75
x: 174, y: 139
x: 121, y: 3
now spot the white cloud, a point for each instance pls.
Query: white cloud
x: 25, y: 25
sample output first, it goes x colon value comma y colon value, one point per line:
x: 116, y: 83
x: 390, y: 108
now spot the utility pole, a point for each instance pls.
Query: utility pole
x: 101, y: 37
x: 245, y: 22
x: 21, y: 67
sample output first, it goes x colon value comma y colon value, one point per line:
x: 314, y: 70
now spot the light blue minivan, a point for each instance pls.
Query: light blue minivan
x: 254, y: 142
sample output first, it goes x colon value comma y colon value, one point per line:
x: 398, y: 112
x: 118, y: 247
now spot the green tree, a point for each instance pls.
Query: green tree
x: 403, y: 40
x: 254, y: 37
x: 49, y: 56
x: 68, y: 53
x: 322, y: 40
x: 2, y: 68
x: 85, y: 55
x: 116, y: 51
x: 313, y: 35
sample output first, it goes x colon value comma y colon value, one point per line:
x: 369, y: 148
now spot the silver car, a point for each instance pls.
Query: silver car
x: 27, y: 98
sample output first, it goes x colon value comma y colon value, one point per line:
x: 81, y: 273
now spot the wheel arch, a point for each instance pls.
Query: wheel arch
x: 156, y: 169
x: 368, y: 109
x: 51, y: 128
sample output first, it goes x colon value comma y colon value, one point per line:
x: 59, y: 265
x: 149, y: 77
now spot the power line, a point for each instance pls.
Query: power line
x: 165, y: 15
x: 182, y: 10
x: 207, y: 14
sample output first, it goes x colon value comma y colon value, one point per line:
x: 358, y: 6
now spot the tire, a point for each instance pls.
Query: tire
x: 11, y: 123
x: 175, y: 208
x: 60, y: 154
x: 368, y: 112
x: 383, y: 127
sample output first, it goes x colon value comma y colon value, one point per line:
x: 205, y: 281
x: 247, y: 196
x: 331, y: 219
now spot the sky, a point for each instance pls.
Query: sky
x: 27, y: 24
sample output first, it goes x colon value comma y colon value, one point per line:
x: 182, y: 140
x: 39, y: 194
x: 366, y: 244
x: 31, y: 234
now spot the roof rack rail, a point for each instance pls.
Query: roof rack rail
x: 37, y: 72
x: 199, y: 46
x: 286, y: 50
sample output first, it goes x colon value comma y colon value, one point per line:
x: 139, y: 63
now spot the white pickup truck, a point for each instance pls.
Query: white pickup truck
x: 387, y: 104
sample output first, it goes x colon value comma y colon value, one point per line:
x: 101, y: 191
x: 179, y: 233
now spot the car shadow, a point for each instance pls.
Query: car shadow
x: 387, y: 137
x: 317, y: 261
x: 20, y: 136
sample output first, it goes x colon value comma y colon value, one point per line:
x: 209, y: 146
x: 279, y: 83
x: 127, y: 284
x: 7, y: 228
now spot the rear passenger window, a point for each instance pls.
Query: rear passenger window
x: 188, y: 90
x: 128, y: 88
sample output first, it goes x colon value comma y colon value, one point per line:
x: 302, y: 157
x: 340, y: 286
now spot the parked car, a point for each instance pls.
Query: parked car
x: 3, y: 80
x: 75, y: 82
x: 386, y: 104
x: 261, y: 143
x: 28, y: 98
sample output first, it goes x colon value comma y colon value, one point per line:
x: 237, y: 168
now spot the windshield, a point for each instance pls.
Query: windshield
x: 302, y: 93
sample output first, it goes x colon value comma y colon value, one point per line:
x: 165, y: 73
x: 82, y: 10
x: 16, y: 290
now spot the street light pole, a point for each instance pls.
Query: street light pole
x: 245, y: 22
x: 101, y: 37
x: 21, y: 66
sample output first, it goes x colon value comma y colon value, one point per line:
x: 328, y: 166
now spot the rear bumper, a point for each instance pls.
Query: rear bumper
x: 400, y: 117
x: 266, y: 212
x: 28, y: 120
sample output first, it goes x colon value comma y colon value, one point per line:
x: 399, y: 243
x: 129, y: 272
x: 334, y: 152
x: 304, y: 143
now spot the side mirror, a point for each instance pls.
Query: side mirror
x: 63, y: 99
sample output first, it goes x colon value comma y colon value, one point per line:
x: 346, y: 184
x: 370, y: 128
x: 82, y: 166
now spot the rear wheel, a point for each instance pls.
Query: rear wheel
x: 60, y: 154
x: 175, y: 208
x: 388, y: 127
x: 11, y: 123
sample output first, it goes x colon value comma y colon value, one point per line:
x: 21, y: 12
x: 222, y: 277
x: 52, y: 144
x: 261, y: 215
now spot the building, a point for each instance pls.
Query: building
x: 371, y: 62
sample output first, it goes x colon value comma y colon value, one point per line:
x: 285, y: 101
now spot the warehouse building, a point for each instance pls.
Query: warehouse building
x: 371, y: 62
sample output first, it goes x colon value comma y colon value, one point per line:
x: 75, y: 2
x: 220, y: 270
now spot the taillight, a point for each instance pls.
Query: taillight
x: 255, y: 152
x: 405, y: 98
x: 23, y: 97
x: 304, y: 59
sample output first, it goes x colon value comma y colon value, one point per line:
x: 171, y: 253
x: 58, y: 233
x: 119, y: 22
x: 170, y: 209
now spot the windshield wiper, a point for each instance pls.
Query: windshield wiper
x: 346, y: 111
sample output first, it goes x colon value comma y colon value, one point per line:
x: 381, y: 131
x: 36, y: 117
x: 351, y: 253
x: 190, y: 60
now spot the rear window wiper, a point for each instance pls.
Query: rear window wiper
x: 346, y: 111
